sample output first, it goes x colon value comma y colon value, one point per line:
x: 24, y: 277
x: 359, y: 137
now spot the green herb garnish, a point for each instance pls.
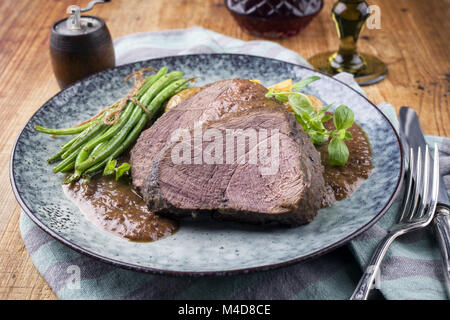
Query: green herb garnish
x: 343, y: 119
x: 312, y: 121
x: 110, y: 168
x: 123, y: 168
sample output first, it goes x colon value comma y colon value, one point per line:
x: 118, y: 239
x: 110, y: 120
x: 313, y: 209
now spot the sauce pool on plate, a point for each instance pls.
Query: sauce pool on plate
x: 342, y: 181
x: 116, y: 207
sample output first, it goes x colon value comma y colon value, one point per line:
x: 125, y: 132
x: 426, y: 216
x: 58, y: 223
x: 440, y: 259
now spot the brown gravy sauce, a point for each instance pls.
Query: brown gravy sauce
x: 342, y: 181
x: 116, y: 207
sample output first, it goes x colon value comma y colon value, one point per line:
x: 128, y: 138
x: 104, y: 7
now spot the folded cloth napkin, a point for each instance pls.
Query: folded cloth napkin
x: 412, y: 268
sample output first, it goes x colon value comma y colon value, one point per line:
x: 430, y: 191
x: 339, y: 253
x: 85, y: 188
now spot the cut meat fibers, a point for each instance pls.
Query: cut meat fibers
x: 267, y: 170
x: 227, y: 146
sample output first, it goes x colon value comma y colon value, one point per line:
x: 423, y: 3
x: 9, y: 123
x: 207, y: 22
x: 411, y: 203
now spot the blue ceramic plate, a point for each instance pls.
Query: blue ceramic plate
x: 201, y: 248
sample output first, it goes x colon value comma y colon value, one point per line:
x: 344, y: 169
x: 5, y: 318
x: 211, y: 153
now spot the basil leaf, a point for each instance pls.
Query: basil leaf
x: 109, y: 168
x: 338, y: 152
x: 343, y: 117
x: 341, y: 134
x: 317, y: 138
x: 301, y: 104
x: 317, y: 125
x: 348, y: 136
x: 324, y: 109
x: 301, y: 121
x: 304, y: 82
x: 282, y: 97
x: 122, y: 169
x: 326, y: 118
x: 306, y: 117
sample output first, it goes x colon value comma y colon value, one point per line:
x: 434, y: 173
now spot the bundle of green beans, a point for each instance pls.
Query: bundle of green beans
x: 98, y: 143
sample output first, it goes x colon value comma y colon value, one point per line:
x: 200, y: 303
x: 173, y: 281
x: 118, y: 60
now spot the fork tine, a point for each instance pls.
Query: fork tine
x: 409, y: 183
x: 426, y: 180
x: 435, y: 183
x: 431, y: 205
x: 417, y: 184
x: 429, y: 199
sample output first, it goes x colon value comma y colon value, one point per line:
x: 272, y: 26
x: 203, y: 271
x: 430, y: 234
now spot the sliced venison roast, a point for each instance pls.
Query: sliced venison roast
x: 219, y: 99
x: 184, y: 176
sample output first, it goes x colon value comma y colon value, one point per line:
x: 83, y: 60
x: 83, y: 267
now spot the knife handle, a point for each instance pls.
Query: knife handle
x: 442, y: 226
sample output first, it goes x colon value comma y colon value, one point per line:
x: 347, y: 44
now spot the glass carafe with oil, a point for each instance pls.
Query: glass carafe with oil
x: 350, y: 17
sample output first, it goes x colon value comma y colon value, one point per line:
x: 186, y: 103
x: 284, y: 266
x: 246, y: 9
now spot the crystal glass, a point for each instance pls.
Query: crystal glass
x: 273, y: 18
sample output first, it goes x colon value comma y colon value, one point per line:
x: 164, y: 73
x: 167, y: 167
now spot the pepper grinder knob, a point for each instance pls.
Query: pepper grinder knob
x: 74, y: 21
x: 80, y: 45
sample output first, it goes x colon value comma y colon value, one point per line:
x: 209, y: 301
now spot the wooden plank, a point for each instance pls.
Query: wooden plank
x: 413, y: 40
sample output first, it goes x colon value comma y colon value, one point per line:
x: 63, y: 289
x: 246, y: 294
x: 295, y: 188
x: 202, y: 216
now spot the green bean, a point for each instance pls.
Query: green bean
x: 112, y: 130
x: 65, y: 131
x: 97, y: 143
x: 66, y: 161
x: 78, y: 129
x: 86, y: 136
x: 147, y: 84
x: 109, y: 133
x: 152, y: 92
x: 171, y: 81
x: 132, y: 136
x: 79, y: 153
x: 116, y: 144
x: 55, y: 157
x: 64, y: 148
x: 125, y: 115
x: 165, y: 94
x: 111, y: 145
x: 79, y: 159
x: 72, y: 164
x: 183, y: 87
x: 153, y: 79
x: 97, y: 167
x: 71, y: 156
x: 159, y: 85
x: 69, y: 167
x: 66, y: 145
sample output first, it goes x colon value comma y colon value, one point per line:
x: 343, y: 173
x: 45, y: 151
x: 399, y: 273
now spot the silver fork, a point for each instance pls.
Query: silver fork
x: 418, y: 207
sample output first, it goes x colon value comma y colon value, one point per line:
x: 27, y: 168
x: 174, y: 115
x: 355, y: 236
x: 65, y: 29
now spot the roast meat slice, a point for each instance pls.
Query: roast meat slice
x: 286, y: 186
x: 214, y: 101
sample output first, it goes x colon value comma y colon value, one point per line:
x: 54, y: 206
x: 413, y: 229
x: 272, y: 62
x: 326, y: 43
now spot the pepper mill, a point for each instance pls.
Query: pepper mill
x: 80, y: 46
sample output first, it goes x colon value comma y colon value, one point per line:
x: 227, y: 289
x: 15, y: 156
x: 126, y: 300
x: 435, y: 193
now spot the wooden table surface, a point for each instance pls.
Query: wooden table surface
x: 413, y: 41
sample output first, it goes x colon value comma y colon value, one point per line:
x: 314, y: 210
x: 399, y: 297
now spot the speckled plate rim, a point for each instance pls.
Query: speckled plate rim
x: 139, y: 268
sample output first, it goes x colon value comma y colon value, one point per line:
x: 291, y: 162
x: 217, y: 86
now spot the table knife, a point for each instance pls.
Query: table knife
x: 411, y: 135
